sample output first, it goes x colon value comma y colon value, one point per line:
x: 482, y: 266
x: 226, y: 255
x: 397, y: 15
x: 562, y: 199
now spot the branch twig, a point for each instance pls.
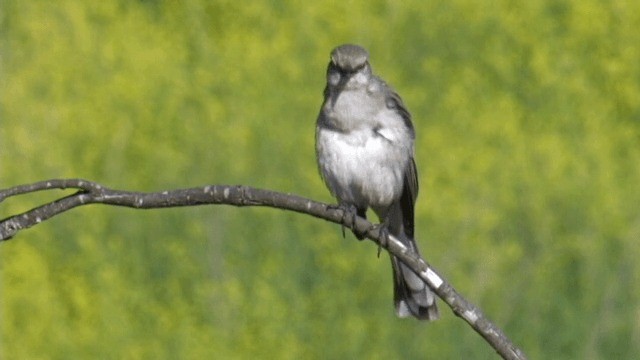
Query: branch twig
x: 93, y: 193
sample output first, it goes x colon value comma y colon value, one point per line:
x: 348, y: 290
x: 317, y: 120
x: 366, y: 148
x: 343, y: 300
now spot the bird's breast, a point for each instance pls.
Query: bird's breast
x: 360, y: 167
x: 349, y: 110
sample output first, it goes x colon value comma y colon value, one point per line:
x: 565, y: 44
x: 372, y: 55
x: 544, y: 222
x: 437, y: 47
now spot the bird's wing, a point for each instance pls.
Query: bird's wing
x: 408, y: 197
x: 395, y: 102
x: 410, y: 186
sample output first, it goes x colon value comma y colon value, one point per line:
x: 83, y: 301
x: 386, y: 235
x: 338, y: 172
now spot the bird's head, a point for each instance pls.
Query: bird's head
x: 349, y: 67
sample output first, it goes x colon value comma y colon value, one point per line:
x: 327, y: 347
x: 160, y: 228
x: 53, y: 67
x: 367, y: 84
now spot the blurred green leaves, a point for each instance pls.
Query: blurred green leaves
x: 527, y: 119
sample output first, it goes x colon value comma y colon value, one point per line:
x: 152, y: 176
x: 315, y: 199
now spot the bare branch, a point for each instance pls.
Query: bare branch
x: 93, y: 193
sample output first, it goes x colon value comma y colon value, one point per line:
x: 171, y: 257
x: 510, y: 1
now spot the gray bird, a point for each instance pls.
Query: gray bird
x: 364, y: 148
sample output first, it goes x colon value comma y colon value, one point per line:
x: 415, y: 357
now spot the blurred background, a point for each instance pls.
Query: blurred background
x: 528, y: 148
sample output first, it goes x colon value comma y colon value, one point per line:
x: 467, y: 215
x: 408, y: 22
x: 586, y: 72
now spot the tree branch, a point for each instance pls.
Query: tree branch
x: 93, y: 193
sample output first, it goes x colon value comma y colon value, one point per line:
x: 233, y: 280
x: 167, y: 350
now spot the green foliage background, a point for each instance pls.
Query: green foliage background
x: 528, y: 124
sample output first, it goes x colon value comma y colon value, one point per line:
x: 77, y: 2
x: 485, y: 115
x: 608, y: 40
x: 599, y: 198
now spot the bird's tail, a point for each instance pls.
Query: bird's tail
x: 411, y: 294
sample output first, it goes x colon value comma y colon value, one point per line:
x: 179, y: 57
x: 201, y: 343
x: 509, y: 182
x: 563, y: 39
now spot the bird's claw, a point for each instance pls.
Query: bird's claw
x: 383, y: 230
x: 349, y: 216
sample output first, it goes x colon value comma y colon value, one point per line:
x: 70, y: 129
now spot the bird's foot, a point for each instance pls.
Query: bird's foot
x: 383, y: 230
x: 349, y: 215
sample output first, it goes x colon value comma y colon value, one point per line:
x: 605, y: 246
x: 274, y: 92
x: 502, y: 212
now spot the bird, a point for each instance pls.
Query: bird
x: 365, y: 154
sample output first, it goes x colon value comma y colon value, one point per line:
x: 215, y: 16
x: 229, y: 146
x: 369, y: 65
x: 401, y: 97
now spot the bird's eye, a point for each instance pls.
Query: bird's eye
x: 333, y: 77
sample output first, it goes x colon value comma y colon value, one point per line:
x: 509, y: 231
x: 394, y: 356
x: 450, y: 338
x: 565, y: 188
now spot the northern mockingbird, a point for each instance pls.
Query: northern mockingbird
x: 364, y: 148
